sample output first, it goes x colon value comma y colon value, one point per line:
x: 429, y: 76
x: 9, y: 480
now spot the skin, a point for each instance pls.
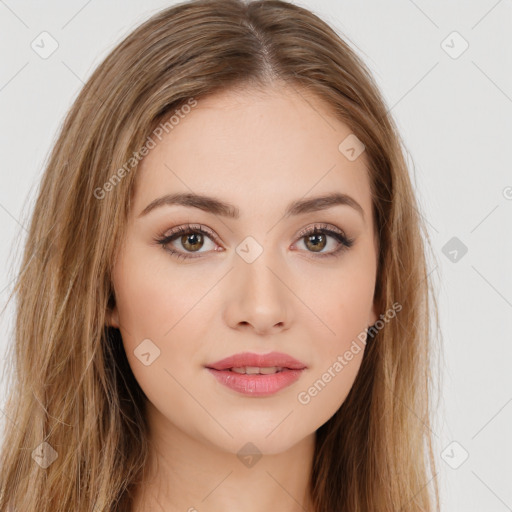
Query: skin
x: 258, y: 150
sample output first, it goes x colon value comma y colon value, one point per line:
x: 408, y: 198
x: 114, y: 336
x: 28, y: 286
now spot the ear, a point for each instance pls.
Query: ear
x: 113, y: 318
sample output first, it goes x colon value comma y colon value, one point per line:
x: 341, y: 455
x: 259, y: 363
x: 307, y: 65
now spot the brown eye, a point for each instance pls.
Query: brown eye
x: 316, y: 242
x: 192, y: 242
x: 185, y: 240
x: 322, y: 236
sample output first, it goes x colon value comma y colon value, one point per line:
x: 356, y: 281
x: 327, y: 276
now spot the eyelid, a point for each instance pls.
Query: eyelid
x: 331, y: 230
x: 200, y: 227
x: 320, y: 226
x: 185, y: 228
x: 343, y: 240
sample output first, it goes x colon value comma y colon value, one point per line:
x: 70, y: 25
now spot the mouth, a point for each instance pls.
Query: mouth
x: 254, y: 370
x: 256, y: 384
x: 257, y: 375
x: 252, y: 363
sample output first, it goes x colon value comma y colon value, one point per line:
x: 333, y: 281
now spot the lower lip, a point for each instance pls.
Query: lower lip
x: 256, y: 385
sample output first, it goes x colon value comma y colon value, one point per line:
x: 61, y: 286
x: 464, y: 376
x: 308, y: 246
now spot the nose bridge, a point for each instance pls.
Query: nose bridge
x: 260, y: 276
x: 258, y: 273
x: 259, y: 297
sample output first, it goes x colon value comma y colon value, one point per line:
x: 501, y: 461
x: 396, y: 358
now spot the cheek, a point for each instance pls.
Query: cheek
x: 153, y: 298
x: 339, y: 302
x: 339, y: 344
x: 162, y: 319
x: 326, y: 388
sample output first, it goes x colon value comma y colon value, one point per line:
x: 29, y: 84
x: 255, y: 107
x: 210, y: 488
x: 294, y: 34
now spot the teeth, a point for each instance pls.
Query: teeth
x: 252, y: 370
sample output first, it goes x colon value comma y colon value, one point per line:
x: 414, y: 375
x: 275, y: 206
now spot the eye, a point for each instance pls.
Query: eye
x: 315, y: 239
x: 190, y: 236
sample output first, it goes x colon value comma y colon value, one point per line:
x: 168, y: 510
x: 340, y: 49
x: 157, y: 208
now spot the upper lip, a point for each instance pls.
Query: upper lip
x: 243, y: 359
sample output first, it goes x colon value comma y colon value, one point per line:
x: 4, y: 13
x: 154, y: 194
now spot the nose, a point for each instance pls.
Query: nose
x: 258, y: 299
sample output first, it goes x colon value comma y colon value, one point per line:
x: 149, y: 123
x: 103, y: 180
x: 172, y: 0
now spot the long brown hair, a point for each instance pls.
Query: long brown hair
x: 75, y: 437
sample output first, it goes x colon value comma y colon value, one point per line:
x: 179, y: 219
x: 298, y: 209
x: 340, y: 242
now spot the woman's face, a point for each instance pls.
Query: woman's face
x: 252, y: 282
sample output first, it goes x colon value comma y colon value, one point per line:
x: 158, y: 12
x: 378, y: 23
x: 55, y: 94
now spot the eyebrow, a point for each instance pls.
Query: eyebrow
x: 225, y: 209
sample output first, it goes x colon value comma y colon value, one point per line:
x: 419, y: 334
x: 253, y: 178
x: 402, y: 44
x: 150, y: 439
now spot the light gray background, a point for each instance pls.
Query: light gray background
x: 455, y: 116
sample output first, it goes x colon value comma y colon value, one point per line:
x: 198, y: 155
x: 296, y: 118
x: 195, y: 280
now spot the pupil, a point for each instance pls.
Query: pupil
x: 319, y: 241
x: 192, y: 240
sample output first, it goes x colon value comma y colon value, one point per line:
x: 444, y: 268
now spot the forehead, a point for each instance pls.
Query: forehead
x: 258, y: 148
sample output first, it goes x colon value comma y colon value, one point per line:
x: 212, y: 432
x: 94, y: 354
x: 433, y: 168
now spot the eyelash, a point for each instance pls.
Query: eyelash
x: 164, y: 240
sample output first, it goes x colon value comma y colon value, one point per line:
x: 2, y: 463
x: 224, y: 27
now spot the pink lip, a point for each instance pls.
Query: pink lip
x: 260, y: 360
x: 257, y: 385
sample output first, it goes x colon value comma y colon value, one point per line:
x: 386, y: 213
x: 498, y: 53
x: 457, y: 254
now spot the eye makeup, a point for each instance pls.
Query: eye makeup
x: 185, y: 232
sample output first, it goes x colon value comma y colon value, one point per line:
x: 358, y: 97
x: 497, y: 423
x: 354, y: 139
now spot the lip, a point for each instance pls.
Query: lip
x: 257, y: 385
x: 260, y: 360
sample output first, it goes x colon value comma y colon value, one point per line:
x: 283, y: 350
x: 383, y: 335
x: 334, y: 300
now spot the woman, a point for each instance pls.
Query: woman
x: 223, y: 301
